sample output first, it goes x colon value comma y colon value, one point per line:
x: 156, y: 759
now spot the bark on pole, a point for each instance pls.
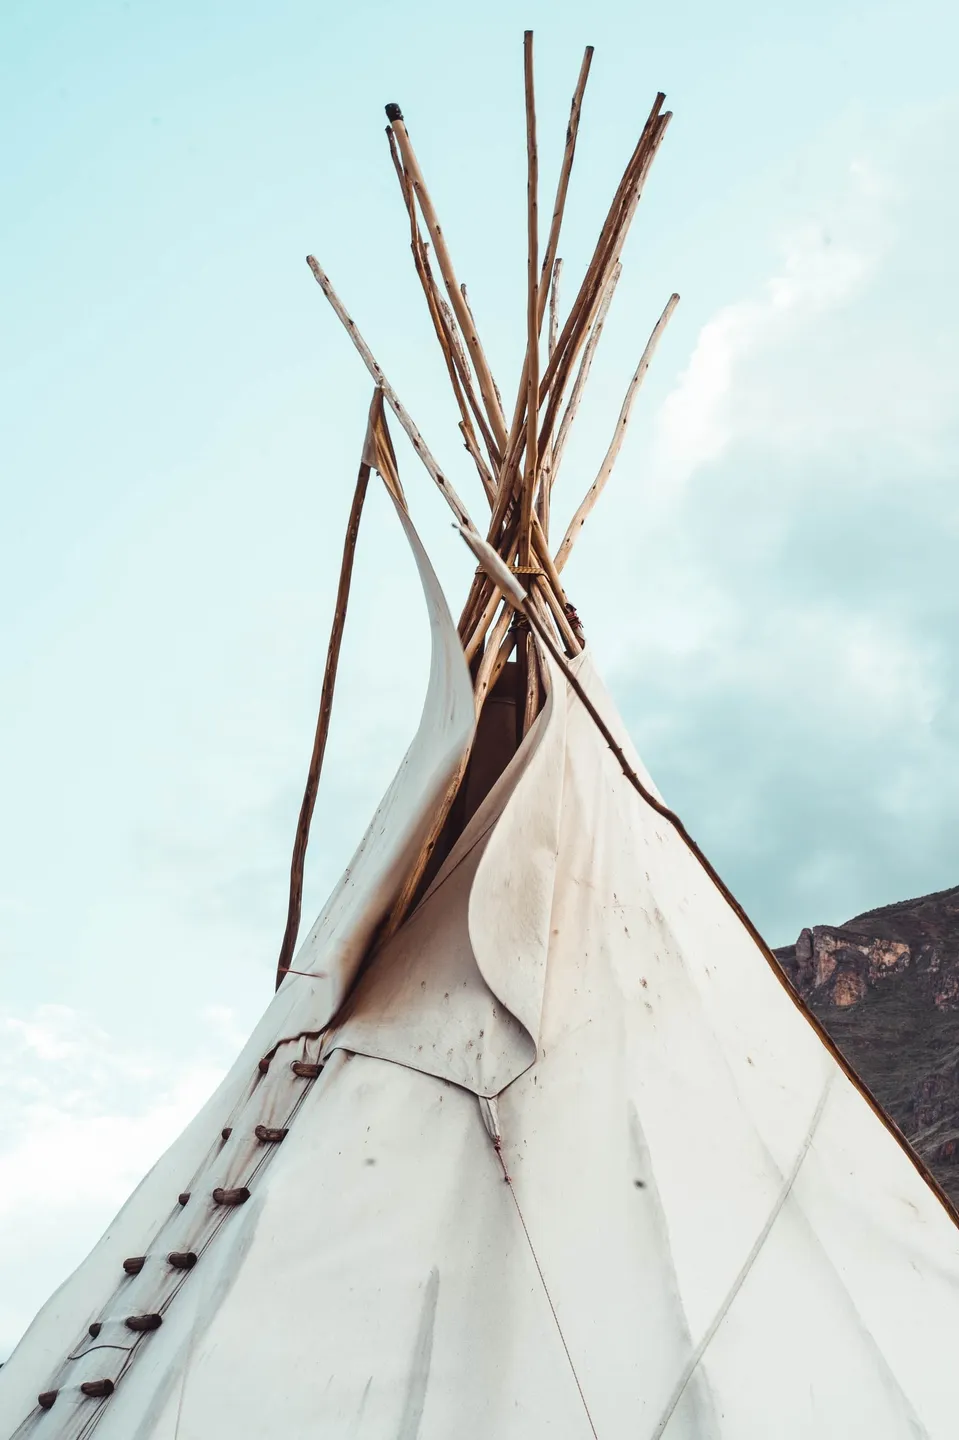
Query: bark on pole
x: 295, y: 904
x: 619, y: 435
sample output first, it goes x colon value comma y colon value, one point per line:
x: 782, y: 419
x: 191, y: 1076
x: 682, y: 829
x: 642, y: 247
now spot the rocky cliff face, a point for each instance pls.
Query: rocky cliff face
x: 886, y: 987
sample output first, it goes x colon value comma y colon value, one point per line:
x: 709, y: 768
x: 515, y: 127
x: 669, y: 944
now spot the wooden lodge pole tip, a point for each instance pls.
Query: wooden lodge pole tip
x: 393, y: 112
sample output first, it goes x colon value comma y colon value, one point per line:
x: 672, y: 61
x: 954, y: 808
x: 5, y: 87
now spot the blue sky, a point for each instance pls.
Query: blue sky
x: 768, y: 584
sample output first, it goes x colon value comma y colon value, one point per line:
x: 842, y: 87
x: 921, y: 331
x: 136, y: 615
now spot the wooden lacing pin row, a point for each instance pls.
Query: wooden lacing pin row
x: 179, y: 1259
x: 138, y: 1323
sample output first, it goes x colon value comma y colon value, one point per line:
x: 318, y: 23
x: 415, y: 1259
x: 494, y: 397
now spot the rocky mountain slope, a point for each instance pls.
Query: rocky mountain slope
x: 886, y: 987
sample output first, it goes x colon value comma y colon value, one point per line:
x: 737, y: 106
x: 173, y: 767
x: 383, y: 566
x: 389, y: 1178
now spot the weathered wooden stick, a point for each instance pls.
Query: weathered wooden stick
x: 542, y: 556
x: 457, y: 299
x: 553, y: 590
x: 615, y: 445
x: 554, y: 307
x: 466, y: 376
x: 546, y: 467
x: 532, y: 307
x: 562, y: 187
x: 542, y: 495
x: 486, y: 478
x: 491, y: 664
x: 505, y: 516
x: 559, y: 206
x: 537, y: 680
x: 473, y: 621
x: 580, y: 318
x: 405, y: 898
x: 390, y: 395
x: 582, y: 375
x: 481, y: 588
x: 475, y: 601
x: 444, y: 322
x: 478, y: 631
x: 456, y: 338
x: 612, y: 259
x: 485, y: 679
x: 485, y: 589
x: 556, y: 600
x: 541, y: 593
x: 591, y: 294
x: 502, y: 656
x: 532, y: 701
x: 295, y: 905
x: 606, y: 237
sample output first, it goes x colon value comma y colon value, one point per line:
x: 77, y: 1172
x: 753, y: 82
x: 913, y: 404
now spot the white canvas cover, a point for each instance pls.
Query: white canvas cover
x: 575, y: 1164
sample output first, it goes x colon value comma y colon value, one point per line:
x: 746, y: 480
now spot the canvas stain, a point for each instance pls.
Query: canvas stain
x: 420, y: 1361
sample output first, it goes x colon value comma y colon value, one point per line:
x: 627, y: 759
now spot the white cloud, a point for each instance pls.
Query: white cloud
x: 779, y: 613
x: 84, y: 1118
x: 724, y: 395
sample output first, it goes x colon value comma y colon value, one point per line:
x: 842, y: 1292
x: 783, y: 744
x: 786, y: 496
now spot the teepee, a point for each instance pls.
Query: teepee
x: 532, y: 1140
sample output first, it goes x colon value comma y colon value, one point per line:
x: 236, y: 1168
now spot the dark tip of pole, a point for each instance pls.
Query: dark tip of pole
x: 393, y: 112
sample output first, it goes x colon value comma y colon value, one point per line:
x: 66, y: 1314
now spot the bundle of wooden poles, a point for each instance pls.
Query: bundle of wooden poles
x: 518, y: 458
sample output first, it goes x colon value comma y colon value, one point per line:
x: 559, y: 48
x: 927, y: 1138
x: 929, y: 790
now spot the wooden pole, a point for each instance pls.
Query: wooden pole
x: 486, y: 478
x: 607, y: 236
x: 619, y: 434
x: 562, y: 187
x: 546, y: 480
x: 481, y: 588
x: 485, y: 679
x: 295, y: 904
x: 532, y: 307
x: 598, y: 283
x: 444, y: 331
x: 554, y: 307
x: 390, y: 395
x: 444, y: 321
x: 575, y: 331
x: 490, y: 665
x: 604, y: 242
x: 405, y: 898
x: 582, y: 375
x: 559, y: 206
x: 457, y: 299
x: 477, y: 634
